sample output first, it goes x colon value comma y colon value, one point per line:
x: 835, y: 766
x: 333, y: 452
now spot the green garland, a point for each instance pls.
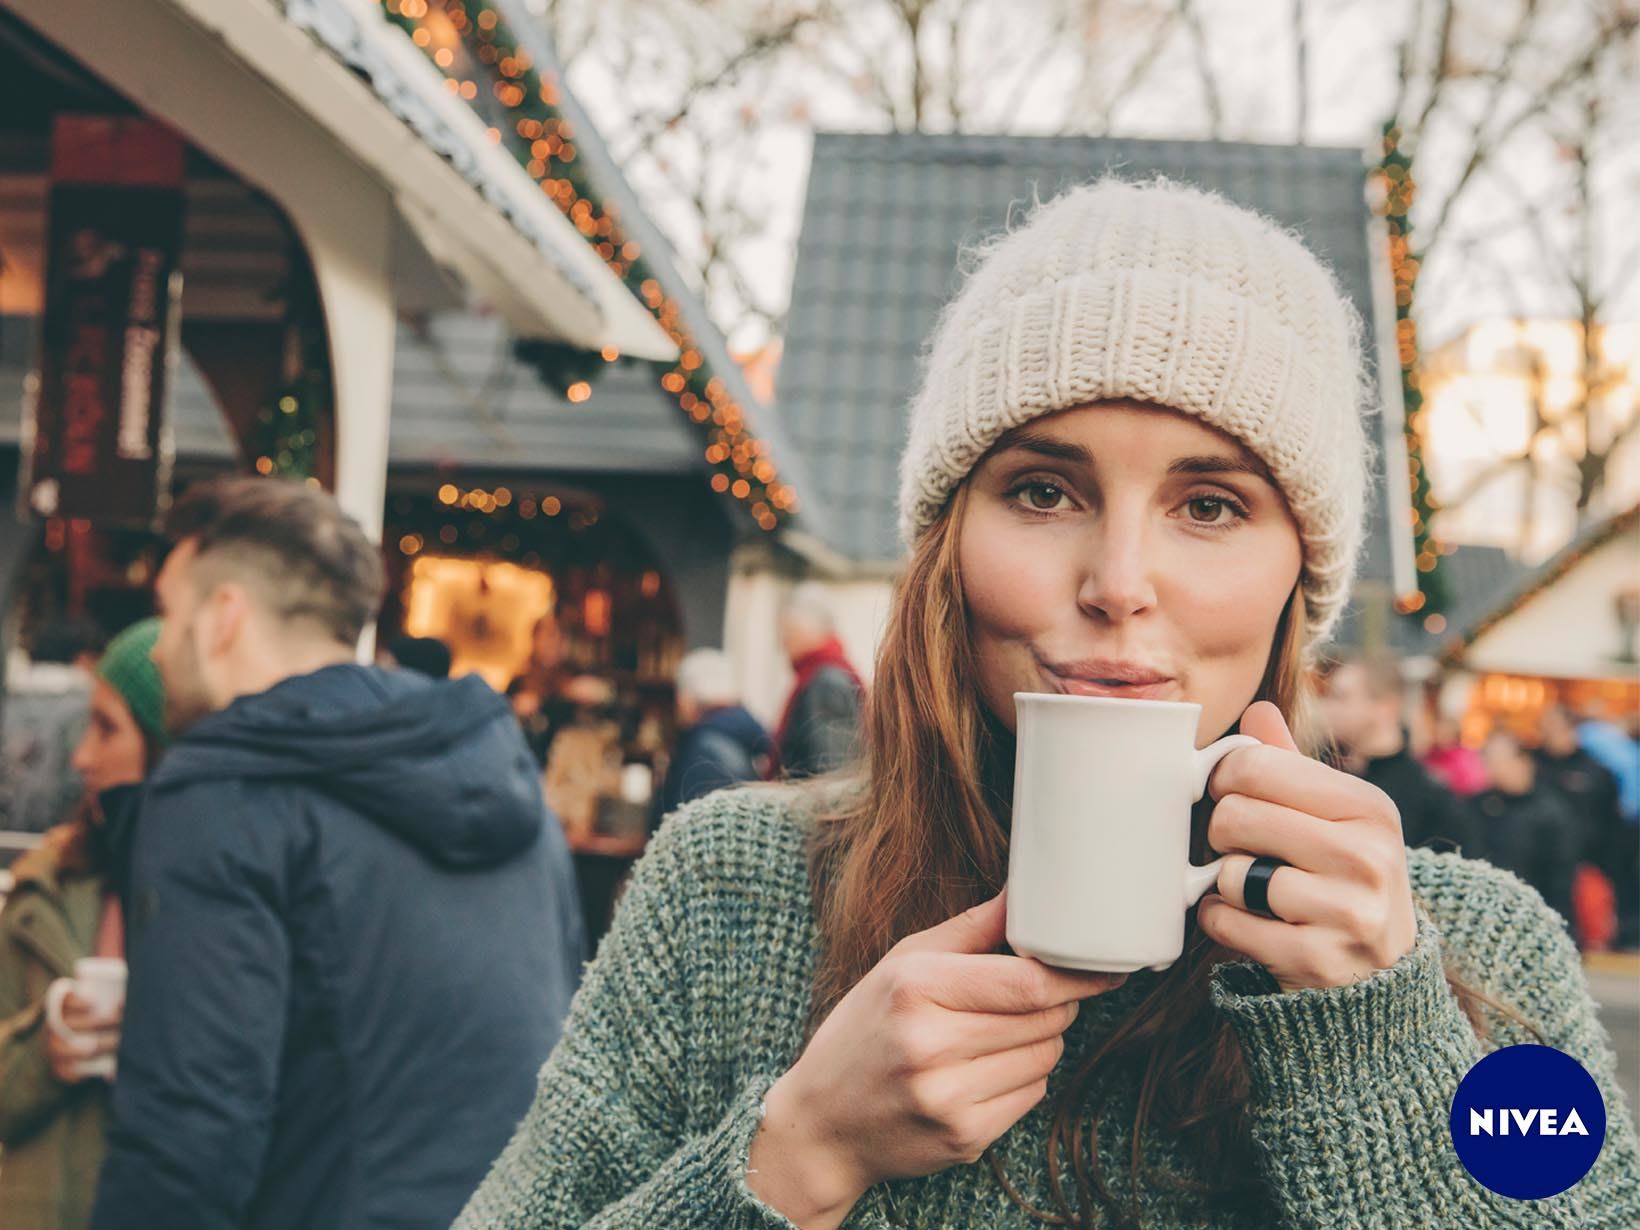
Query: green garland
x: 285, y: 435
x: 1395, y: 176
x: 543, y: 141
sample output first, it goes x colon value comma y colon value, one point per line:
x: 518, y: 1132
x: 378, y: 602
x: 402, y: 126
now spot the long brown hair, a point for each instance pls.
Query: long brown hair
x: 917, y: 831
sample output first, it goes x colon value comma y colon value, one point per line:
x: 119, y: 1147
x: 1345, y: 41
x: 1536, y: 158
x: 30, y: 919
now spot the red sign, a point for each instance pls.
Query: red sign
x: 102, y: 443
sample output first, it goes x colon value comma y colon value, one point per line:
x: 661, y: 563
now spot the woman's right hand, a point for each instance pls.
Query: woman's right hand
x: 93, y: 1036
x: 933, y: 1055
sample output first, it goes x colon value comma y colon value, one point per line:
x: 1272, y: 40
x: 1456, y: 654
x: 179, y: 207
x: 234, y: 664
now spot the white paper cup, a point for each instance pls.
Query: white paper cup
x: 100, y: 981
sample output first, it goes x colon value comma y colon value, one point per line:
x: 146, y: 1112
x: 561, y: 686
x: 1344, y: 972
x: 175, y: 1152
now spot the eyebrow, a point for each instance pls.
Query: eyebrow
x: 1218, y: 464
x: 1045, y: 446
x: 1065, y: 450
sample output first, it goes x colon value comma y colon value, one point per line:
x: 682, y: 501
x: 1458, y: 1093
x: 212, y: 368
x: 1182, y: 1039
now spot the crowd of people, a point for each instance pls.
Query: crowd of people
x: 359, y: 992
x: 1561, y: 810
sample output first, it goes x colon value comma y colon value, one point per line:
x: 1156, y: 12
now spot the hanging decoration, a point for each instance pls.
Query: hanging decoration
x: 560, y: 366
x: 468, y: 40
x: 1394, y: 175
x: 285, y: 435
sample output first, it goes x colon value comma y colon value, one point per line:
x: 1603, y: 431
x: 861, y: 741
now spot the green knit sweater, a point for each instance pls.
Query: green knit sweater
x: 645, y: 1112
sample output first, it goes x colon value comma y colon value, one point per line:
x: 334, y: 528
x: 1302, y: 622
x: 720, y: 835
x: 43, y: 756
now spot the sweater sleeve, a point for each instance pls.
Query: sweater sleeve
x: 1352, y: 1086
x: 29, y: 1093
x: 610, y: 1141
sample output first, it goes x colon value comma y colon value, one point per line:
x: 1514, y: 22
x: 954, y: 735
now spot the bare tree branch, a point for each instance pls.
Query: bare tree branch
x: 1007, y: 115
x: 1482, y: 146
x: 953, y: 84
x: 1441, y: 72
x: 756, y: 49
x: 1142, y: 64
x: 1404, y: 54
x: 872, y: 72
x: 1204, y: 66
x: 1301, y: 70
x: 1485, y: 476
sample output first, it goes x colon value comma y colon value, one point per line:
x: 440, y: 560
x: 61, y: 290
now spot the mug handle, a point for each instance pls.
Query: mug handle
x: 1197, y: 880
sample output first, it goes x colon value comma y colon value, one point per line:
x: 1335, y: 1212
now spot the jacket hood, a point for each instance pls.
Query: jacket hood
x: 739, y: 725
x: 439, y: 763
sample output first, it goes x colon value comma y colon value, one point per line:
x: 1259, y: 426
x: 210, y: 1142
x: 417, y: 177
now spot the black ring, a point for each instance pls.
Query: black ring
x: 1255, y: 889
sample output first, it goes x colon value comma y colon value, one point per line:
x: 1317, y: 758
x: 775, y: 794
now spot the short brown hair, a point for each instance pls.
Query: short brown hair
x: 308, y: 557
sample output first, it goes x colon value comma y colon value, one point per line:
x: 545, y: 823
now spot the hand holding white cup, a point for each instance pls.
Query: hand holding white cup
x: 1099, y: 871
x: 83, y: 1017
x: 933, y: 1055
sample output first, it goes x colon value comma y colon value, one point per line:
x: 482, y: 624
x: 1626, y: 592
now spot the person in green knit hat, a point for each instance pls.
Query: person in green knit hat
x: 1136, y: 468
x: 64, y: 907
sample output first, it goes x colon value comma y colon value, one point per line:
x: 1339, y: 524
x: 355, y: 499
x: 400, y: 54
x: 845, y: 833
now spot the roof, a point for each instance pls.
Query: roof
x: 461, y: 397
x: 479, y: 231
x: 747, y: 434
x: 885, y: 219
x: 1477, y: 578
x: 1534, y: 581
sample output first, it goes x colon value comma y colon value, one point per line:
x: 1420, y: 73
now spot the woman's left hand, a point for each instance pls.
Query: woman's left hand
x: 1343, y: 901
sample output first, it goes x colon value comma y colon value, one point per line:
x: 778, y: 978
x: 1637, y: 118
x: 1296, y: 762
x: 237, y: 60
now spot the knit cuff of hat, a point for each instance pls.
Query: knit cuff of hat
x: 1397, y: 1034
x: 1165, y: 339
x: 127, y: 668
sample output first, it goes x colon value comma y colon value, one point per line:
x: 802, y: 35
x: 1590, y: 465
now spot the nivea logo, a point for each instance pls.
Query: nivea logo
x: 1542, y: 1120
x: 1528, y: 1121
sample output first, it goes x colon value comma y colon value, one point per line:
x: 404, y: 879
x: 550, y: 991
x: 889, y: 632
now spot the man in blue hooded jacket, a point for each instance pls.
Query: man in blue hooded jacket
x: 351, y: 924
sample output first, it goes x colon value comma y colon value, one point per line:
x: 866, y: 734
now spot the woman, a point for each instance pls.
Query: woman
x: 1135, y: 469
x: 548, y: 696
x: 65, y: 907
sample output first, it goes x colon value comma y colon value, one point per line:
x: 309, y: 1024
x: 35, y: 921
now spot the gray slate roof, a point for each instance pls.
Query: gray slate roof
x: 885, y: 218
x: 1478, y: 580
x: 461, y: 398
x: 1517, y: 584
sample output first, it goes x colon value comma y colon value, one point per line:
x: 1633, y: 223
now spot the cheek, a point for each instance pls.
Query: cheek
x: 1014, y: 589
x: 1226, y: 615
x: 128, y: 761
x: 114, y: 760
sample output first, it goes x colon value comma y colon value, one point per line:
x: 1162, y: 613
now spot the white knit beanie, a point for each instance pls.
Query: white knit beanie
x: 1170, y: 295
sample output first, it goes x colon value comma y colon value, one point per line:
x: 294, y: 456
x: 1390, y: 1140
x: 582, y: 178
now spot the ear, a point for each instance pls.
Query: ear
x: 224, y: 616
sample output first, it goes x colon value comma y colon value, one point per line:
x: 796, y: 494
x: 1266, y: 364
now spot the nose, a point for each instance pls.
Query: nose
x: 80, y: 762
x: 1118, y: 583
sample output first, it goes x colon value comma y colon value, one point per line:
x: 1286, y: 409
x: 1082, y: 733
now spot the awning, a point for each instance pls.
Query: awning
x: 365, y: 88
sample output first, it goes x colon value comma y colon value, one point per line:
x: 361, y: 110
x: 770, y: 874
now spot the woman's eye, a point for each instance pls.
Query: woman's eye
x: 1042, y: 497
x: 1208, y: 509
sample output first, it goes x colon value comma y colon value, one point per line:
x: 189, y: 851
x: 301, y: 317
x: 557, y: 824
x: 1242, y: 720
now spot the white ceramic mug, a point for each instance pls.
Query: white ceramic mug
x: 100, y: 982
x: 1099, y: 871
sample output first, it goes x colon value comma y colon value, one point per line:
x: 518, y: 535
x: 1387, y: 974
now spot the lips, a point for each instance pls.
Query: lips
x: 1109, y: 677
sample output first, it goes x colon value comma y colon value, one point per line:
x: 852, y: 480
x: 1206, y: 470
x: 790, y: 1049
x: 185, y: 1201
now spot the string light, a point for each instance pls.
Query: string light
x: 284, y: 435
x: 543, y: 141
x: 1397, y: 188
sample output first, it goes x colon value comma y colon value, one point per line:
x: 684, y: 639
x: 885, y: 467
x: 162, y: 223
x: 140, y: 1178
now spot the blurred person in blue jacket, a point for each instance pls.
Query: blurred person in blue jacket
x: 1619, y: 751
x: 352, y: 928
x: 721, y: 745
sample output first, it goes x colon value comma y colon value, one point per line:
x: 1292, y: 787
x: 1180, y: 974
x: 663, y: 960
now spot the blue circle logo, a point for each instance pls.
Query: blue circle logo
x: 1528, y: 1121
